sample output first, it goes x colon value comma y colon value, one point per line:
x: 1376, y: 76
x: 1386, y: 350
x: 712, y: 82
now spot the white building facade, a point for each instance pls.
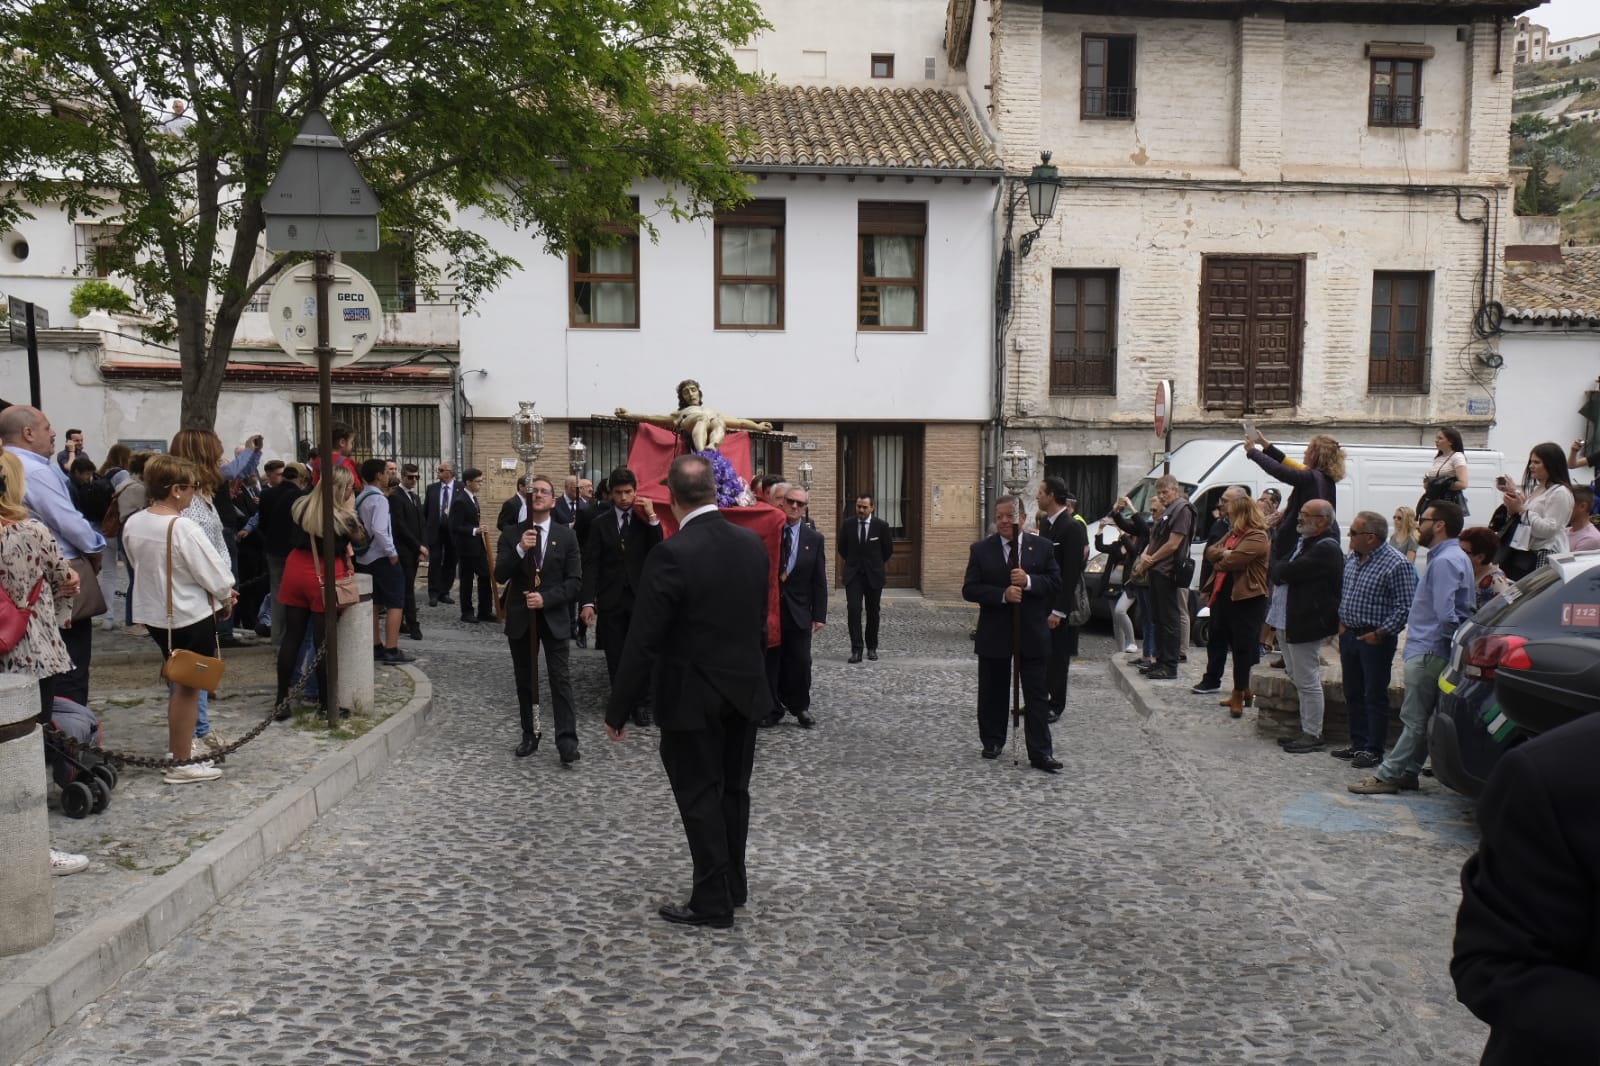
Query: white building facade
x: 1290, y: 218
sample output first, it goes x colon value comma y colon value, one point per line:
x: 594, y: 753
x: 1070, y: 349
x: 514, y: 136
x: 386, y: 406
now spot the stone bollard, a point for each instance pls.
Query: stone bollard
x: 27, y: 896
x: 355, y: 652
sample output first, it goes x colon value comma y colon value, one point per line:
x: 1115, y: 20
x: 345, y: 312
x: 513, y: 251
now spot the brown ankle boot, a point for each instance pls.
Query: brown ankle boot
x: 1249, y: 698
x: 1235, y: 703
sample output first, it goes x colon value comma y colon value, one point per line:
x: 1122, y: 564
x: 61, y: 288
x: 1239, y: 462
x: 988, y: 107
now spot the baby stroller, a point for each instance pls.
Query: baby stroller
x: 86, y: 780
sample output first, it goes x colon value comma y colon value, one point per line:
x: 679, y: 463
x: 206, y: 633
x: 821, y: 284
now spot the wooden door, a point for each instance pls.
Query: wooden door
x: 1250, y: 331
x: 887, y: 462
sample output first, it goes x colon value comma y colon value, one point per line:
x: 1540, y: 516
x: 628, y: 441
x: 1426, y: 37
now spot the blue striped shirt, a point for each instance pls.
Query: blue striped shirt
x: 1377, y: 592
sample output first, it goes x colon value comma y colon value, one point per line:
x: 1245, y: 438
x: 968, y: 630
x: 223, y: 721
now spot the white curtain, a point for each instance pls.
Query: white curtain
x: 612, y: 302
x: 895, y: 257
x: 749, y: 252
x: 889, y: 478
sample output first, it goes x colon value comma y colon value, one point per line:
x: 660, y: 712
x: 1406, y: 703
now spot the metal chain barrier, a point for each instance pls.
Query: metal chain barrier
x: 122, y: 758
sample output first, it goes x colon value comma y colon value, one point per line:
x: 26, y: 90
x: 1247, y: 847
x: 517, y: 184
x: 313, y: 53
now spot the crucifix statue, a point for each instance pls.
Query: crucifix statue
x: 703, y: 426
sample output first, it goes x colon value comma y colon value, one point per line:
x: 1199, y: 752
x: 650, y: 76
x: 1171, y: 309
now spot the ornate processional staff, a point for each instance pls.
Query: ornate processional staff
x: 1017, y: 467
x: 527, y: 440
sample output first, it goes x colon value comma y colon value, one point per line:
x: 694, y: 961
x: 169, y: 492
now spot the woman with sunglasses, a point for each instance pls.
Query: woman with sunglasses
x: 201, y: 586
x: 1404, y: 538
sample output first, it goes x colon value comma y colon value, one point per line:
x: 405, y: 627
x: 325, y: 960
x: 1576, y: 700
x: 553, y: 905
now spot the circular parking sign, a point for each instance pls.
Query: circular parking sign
x: 1163, y: 406
x: 355, y: 314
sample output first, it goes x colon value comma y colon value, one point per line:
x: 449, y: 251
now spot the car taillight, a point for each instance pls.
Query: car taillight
x: 1488, y: 653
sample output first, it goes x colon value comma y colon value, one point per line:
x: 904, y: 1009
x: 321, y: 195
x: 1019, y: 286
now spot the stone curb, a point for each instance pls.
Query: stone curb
x: 1126, y: 678
x: 83, y: 967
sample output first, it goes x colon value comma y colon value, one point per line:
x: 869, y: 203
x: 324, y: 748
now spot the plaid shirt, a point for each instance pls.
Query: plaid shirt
x: 1377, y: 593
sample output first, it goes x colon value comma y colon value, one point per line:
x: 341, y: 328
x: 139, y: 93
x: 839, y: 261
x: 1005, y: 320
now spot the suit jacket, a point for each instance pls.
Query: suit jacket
x: 560, y: 579
x: 466, y: 514
x: 985, y: 584
x: 865, y: 561
x: 805, y: 593
x: 1527, y: 947
x: 405, y: 521
x: 435, y: 521
x: 612, y: 575
x: 1069, y: 538
x: 567, y: 512
x: 699, y: 628
x: 1316, y: 581
x: 510, y: 514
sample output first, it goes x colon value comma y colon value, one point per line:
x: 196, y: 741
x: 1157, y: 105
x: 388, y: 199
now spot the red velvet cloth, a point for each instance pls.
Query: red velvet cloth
x: 650, y: 457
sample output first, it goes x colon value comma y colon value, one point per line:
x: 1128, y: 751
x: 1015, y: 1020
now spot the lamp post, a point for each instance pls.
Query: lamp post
x: 527, y: 440
x: 805, y: 470
x: 1043, y: 186
x: 576, y: 454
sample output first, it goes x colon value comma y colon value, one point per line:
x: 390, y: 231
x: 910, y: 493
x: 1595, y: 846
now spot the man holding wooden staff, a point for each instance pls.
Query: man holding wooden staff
x: 1013, y: 577
x: 543, y: 569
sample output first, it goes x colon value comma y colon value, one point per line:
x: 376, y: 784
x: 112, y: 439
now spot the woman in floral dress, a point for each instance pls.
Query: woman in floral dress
x: 28, y: 553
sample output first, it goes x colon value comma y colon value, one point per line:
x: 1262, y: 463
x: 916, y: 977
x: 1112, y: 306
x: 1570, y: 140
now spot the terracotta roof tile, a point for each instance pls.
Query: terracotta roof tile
x: 1568, y: 292
x: 889, y: 129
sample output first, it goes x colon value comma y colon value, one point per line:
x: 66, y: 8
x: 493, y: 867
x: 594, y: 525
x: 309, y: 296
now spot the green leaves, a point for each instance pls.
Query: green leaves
x: 542, y: 114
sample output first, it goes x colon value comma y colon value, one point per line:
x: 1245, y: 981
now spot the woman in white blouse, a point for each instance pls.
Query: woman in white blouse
x: 201, y: 583
x: 1542, y: 507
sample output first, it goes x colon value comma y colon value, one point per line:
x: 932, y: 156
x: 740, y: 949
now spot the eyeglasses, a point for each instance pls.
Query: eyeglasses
x: 1420, y: 521
x: 1361, y: 533
x: 794, y: 503
x: 540, y: 492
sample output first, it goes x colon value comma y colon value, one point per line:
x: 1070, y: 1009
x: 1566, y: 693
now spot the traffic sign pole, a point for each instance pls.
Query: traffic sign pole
x: 33, y: 361
x: 330, y: 593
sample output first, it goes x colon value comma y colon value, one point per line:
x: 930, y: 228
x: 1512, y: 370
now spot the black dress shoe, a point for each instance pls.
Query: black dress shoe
x: 433, y: 601
x: 805, y: 719
x: 529, y: 745
x: 687, y: 915
x: 991, y: 753
x: 446, y: 599
x: 415, y: 633
x: 570, y: 757
x: 469, y: 619
x: 582, y: 641
x: 1048, y: 765
x: 872, y: 653
x: 855, y: 656
x: 1161, y: 673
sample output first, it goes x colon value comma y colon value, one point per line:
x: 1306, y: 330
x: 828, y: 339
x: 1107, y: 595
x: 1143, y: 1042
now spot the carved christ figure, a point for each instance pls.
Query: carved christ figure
x: 705, y: 427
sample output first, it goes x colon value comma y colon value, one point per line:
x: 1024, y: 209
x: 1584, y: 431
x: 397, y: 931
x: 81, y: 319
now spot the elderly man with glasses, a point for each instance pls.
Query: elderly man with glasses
x: 1445, y: 597
x: 802, y: 609
x: 1373, y: 607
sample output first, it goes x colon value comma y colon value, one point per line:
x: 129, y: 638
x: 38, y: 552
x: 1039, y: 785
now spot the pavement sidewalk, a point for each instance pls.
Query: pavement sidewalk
x: 161, y: 855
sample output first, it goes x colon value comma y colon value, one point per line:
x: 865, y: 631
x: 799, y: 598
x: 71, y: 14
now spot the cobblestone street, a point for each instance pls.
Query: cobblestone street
x: 1181, y: 893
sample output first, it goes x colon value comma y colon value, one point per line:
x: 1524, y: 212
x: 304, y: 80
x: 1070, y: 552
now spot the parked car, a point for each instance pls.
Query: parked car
x: 1518, y: 668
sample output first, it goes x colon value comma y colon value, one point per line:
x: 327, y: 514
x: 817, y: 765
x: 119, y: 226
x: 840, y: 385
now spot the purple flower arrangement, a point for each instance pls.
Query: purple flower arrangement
x: 731, y: 488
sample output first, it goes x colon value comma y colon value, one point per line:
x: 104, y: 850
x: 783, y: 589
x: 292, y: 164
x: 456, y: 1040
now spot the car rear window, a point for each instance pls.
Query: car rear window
x: 1539, y: 609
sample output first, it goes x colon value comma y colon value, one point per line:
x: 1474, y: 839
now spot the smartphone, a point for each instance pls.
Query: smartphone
x: 1249, y: 429
x: 1502, y: 483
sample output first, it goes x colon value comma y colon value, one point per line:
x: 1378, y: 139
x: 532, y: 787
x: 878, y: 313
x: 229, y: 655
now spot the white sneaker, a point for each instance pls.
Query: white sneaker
x: 191, y: 774
x: 65, y: 862
x: 1131, y: 649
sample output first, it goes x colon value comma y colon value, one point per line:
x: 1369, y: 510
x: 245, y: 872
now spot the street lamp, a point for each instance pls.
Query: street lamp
x: 1016, y: 468
x: 576, y: 453
x: 527, y: 434
x: 805, y: 470
x: 1043, y: 186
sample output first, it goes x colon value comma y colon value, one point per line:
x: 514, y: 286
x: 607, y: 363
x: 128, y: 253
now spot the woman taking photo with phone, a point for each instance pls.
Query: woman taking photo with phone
x: 1539, y: 511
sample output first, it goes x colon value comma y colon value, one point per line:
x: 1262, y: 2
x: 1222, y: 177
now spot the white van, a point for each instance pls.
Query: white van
x: 1377, y: 477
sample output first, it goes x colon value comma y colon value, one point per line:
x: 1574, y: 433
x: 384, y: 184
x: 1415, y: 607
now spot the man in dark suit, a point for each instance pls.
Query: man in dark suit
x: 620, y: 540
x: 436, y: 536
x: 544, y: 572
x: 405, y: 518
x: 472, y: 556
x: 572, y: 509
x: 802, y: 608
x: 1069, y: 538
x: 1527, y: 960
x: 514, y: 510
x: 699, y: 633
x: 865, y: 545
x: 1006, y: 569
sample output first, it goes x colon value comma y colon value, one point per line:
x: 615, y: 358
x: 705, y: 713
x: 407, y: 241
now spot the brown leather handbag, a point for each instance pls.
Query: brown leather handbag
x: 188, y: 668
x: 344, y: 588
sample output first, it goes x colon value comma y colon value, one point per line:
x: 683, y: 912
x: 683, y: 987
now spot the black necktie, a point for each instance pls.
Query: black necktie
x: 788, y: 549
x: 863, y: 531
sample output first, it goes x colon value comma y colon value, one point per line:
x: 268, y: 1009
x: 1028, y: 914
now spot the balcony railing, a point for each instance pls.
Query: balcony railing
x: 1396, y: 111
x: 1108, y: 103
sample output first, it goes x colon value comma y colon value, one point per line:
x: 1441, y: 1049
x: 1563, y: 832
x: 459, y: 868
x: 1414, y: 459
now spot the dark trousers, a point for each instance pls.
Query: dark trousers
x: 709, y: 770
x: 994, y: 704
x: 74, y: 684
x: 557, y: 678
x: 856, y: 592
x: 408, y: 567
x: 1219, y: 641
x: 230, y: 536
x: 794, y: 667
x: 297, y: 621
x: 1063, y: 646
x: 1366, y: 669
x: 1244, y: 619
x: 441, y: 568
x: 1169, y: 622
x: 476, y: 567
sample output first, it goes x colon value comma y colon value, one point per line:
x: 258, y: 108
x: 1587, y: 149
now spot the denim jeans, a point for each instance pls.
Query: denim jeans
x: 1366, y: 669
x: 1422, y: 697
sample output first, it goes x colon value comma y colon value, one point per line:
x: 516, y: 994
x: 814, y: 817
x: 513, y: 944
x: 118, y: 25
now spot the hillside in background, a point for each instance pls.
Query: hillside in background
x: 1556, y: 117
